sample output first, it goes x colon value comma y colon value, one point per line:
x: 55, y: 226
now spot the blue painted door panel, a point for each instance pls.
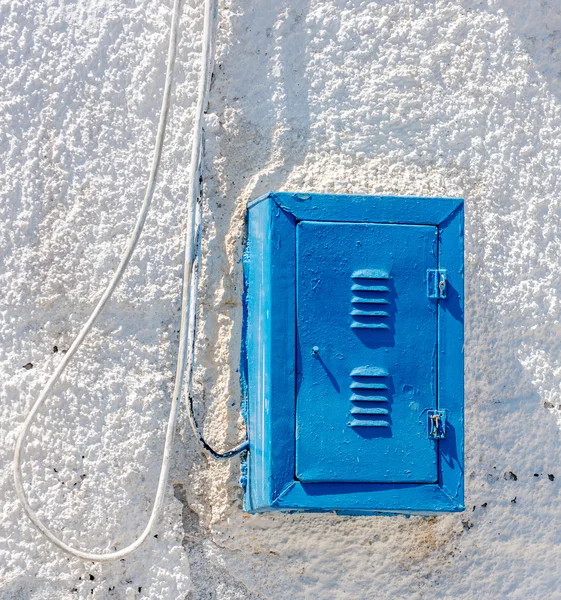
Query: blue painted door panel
x: 366, y: 343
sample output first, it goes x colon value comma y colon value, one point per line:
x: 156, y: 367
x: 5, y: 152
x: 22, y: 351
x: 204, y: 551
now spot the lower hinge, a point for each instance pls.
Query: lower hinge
x: 437, y: 424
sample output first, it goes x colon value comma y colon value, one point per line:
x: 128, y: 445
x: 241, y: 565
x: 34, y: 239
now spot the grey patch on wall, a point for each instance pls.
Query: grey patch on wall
x: 210, y: 579
x: 33, y: 588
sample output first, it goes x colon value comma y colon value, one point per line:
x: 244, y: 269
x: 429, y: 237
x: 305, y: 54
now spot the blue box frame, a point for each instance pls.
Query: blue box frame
x: 269, y: 357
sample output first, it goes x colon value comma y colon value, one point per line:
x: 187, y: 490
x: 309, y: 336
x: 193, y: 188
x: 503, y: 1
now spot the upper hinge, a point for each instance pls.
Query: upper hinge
x: 436, y: 283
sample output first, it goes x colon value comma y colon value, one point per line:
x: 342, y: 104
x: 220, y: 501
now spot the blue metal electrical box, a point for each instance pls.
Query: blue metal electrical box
x: 353, y: 354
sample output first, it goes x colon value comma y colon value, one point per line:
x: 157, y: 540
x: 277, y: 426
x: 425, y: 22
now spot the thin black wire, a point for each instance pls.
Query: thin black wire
x: 218, y: 455
x: 194, y: 284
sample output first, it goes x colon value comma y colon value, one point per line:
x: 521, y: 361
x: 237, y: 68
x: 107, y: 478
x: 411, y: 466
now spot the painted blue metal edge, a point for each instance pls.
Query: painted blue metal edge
x: 366, y: 209
x: 270, y: 308
x: 451, y: 353
x: 270, y: 341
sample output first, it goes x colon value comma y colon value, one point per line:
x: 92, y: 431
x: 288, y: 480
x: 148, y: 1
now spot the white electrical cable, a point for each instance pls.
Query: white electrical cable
x: 188, y: 325
x: 188, y: 302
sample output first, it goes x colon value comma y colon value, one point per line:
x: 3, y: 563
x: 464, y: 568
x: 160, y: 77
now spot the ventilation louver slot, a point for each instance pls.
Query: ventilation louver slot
x: 368, y: 297
x: 368, y: 383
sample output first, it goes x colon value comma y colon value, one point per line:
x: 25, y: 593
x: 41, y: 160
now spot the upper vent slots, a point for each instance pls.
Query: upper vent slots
x: 369, y: 326
x: 358, y: 287
x: 365, y: 423
x: 357, y: 300
x: 359, y: 410
x: 367, y: 298
x: 356, y: 312
x: 370, y: 274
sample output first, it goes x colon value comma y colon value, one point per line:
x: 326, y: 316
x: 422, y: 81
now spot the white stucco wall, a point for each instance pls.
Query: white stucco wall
x: 458, y: 98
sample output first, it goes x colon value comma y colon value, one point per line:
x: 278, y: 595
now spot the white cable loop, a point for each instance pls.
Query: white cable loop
x: 186, y: 335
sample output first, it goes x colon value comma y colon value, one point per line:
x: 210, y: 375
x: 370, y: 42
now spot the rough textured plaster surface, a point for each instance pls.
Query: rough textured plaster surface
x: 410, y: 97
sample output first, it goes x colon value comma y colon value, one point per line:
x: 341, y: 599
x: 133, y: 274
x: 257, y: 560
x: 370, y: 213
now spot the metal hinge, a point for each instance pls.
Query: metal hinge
x: 437, y: 424
x: 436, y: 283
